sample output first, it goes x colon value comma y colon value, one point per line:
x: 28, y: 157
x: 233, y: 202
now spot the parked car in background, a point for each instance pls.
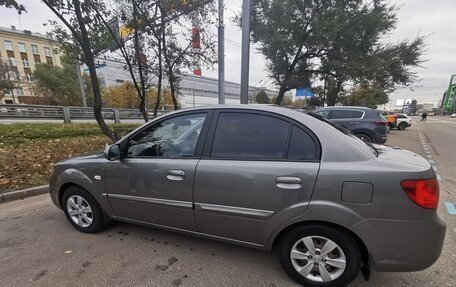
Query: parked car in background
x: 453, y: 115
x: 328, y: 203
x: 403, y: 121
x: 390, y: 117
x: 367, y: 124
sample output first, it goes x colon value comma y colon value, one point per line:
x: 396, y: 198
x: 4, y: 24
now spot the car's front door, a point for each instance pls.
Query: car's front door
x: 257, y: 170
x: 153, y: 181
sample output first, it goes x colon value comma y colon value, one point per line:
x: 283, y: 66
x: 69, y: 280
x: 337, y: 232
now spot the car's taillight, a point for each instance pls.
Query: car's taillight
x: 423, y: 192
x: 381, y: 123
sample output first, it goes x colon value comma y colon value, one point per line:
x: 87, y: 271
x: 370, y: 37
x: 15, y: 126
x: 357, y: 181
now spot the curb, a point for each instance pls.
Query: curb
x: 24, y: 193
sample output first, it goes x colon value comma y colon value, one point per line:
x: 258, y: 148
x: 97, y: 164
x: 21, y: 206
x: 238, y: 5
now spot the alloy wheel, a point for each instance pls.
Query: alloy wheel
x: 79, y: 211
x: 318, y: 259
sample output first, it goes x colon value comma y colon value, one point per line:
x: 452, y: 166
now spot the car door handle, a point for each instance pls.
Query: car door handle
x: 288, y: 182
x: 354, y: 123
x: 175, y: 174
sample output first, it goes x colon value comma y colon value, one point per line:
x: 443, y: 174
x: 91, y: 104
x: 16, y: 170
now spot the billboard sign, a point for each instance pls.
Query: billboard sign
x: 304, y: 93
x: 400, y: 102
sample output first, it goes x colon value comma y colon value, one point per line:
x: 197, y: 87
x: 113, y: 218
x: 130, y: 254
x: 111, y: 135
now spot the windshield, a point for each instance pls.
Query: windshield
x: 344, y: 131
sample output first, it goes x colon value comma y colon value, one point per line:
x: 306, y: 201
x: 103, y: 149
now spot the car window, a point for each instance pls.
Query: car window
x: 323, y: 113
x: 302, y: 147
x: 401, y: 117
x: 175, y: 137
x: 249, y: 136
x: 357, y: 114
x: 344, y: 131
x: 343, y: 114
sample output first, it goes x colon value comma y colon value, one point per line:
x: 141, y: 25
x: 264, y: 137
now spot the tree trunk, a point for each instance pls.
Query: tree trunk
x: 173, y: 89
x: 280, y: 95
x: 90, y: 62
x: 142, y: 96
x: 170, y: 69
x: 160, y: 76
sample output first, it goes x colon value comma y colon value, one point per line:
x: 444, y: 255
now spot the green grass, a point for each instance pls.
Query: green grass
x: 14, y: 133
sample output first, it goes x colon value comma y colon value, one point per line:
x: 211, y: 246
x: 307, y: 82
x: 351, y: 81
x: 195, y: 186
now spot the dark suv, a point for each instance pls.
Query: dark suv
x: 365, y: 123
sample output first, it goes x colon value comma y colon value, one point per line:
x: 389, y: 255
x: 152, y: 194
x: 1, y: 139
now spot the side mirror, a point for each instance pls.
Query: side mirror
x: 112, y: 152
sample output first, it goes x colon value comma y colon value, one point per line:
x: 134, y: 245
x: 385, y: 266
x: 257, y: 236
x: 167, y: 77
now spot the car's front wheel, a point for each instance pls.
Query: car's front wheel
x: 82, y: 210
x: 319, y: 255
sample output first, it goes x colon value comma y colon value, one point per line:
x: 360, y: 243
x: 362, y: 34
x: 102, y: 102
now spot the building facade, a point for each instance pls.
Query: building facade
x: 194, y: 90
x: 448, y: 102
x: 21, y: 50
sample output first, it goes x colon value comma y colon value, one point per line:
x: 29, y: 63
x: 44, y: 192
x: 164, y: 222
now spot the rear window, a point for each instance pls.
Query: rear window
x: 342, y: 130
x: 334, y: 125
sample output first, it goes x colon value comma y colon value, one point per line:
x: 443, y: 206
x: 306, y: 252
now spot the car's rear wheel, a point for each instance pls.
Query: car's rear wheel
x: 364, y: 137
x: 402, y: 126
x: 82, y: 210
x: 319, y: 255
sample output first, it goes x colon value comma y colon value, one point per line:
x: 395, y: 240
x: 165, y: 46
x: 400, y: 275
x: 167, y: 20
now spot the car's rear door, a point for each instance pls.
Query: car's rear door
x: 153, y: 182
x: 244, y: 185
x: 349, y: 119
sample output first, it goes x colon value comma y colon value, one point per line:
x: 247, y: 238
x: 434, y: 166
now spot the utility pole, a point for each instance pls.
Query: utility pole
x: 246, y: 6
x: 81, y: 85
x: 221, y: 54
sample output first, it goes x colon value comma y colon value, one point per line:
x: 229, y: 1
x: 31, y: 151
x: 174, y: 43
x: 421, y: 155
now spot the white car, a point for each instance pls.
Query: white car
x: 403, y: 121
x: 453, y: 115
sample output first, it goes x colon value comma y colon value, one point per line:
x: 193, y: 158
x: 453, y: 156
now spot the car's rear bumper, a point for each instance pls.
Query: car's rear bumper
x: 402, y: 246
x: 381, y: 140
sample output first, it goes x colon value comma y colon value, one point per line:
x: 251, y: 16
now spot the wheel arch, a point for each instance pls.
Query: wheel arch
x: 367, y: 132
x: 63, y: 188
x: 73, y: 177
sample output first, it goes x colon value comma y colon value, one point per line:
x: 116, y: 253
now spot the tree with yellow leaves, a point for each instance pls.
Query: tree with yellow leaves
x: 125, y: 96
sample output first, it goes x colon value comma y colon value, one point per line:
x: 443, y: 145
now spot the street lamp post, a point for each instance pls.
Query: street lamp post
x: 246, y: 6
x: 221, y: 53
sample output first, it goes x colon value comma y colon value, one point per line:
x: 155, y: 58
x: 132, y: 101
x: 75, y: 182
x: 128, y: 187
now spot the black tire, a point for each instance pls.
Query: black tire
x: 339, y: 236
x: 364, y: 137
x: 402, y: 126
x: 96, y: 214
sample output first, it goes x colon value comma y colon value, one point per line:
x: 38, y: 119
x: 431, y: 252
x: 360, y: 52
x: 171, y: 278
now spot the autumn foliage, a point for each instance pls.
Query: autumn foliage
x: 125, y: 96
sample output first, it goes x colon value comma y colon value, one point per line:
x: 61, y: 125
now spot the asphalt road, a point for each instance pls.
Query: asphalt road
x: 38, y: 247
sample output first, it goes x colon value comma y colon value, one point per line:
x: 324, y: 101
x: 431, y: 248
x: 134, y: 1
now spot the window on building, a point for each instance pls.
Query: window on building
x: 35, y: 50
x: 26, y: 64
x: 8, y: 45
x: 47, y: 52
x: 29, y: 77
x: 21, y: 47
x: 12, y: 61
x: 19, y: 91
x: 119, y: 81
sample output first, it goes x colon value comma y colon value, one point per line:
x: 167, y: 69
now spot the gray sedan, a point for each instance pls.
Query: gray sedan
x: 266, y: 177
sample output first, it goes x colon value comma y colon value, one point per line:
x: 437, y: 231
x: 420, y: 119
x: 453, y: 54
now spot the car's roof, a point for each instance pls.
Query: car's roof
x: 256, y: 107
x: 346, y: 108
